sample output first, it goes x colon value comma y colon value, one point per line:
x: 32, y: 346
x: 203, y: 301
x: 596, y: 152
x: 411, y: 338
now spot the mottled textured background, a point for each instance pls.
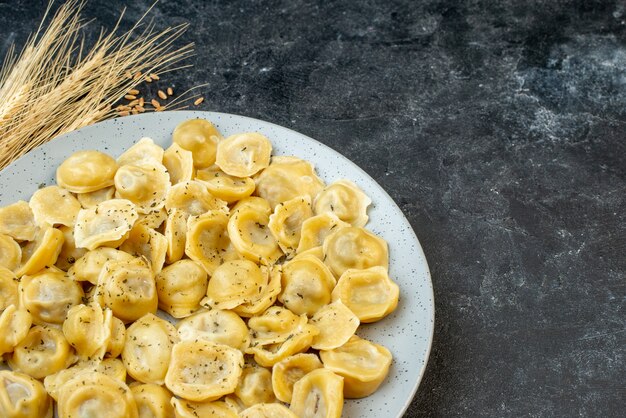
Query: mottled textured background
x: 497, y: 126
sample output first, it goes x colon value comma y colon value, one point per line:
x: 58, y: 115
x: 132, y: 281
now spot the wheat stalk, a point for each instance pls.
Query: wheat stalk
x: 53, y: 86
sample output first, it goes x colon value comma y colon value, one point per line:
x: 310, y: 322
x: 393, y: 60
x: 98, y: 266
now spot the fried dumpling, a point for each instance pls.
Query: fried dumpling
x: 69, y: 253
x: 193, y: 198
x: 105, y: 225
x: 369, y: 293
x: 8, y: 288
x: 14, y: 324
x: 53, y: 205
x: 203, y: 371
x: 17, y: 221
x: 287, y: 372
x: 319, y: 394
x: 362, y: 364
x: 336, y: 324
x: 181, y: 286
x: 144, y: 184
x: 143, y: 151
x: 243, y: 155
x: 207, y: 240
x: 88, y: 267
x: 223, y: 186
x: 148, y: 243
x: 287, y: 178
x: 148, y: 347
x: 286, y: 222
x: 345, y: 200
x: 255, y: 385
x: 315, y: 230
x: 10, y: 253
x: 354, y: 248
x: 179, y: 163
x: 21, y: 396
x: 42, y: 252
x: 218, y: 326
x: 86, y: 171
x: 91, y: 199
x: 153, y: 401
x: 201, y: 138
x: 88, y: 330
x: 42, y: 352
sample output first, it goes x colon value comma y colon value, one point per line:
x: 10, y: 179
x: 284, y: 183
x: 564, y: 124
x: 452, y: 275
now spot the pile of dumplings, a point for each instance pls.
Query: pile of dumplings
x: 265, y: 271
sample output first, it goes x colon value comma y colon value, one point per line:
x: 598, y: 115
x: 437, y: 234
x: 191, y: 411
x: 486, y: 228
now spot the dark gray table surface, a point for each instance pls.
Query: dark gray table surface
x: 497, y: 126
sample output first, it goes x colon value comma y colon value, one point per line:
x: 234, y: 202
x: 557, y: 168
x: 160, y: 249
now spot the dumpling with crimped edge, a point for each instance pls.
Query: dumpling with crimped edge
x: 148, y: 347
x: 8, y: 288
x: 179, y: 163
x: 319, y: 394
x: 234, y: 283
x: 153, y: 219
x: 53, y: 205
x: 274, y: 325
x: 153, y: 401
x: 127, y: 288
x: 267, y: 410
x: 88, y: 267
x: 180, y: 287
x: 15, y: 324
x: 255, y: 385
x: 42, y: 352
x: 315, y: 230
x: 176, y: 234
x: 336, y: 323
x: 69, y: 253
x: 286, y: 222
x: 42, y: 252
x: 201, y: 138
x: 21, y: 396
x: 105, y: 225
x: 218, y: 326
x: 215, y: 409
x: 345, y: 200
x: 223, y: 186
x: 144, y: 184
x: 362, y: 364
x: 249, y: 232
x: 265, y: 297
x: 203, y: 371
x: 94, y: 394
x: 369, y: 293
x: 10, y: 253
x: 287, y: 372
x: 243, y: 155
x: 207, y: 240
x: 87, y: 329
x: 111, y: 367
x: 91, y: 199
x: 354, y: 248
x: 193, y: 198
x: 145, y: 242
x: 86, y: 171
x: 17, y: 221
x: 287, y: 178
x: 307, y: 284
x: 142, y: 151
x: 48, y: 295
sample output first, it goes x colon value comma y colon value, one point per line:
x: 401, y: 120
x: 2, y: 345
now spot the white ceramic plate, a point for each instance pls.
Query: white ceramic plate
x: 407, y: 332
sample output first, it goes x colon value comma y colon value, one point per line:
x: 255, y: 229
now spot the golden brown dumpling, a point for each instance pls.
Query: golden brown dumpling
x: 147, y: 243
x: 267, y: 410
x: 354, y: 248
x: 369, y: 293
x: 255, y: 385
x: 218, y: 326
x: 53, y: 205
x: 14, y: 324
x: 88, y: 267
x: 143, y: 151
x: 215, y: 409
x: 287, y: 178
x: 286, y: 223
x: 144, y: 184
x: 87, y: 329
x: 86, y: 171
x: 148, y: 347
x: 69, y: 253
x: 203, y: 371
x: 193, y: 198
x: 49, y: 295
x: 17, y: 221
x: 223, y: 186
x: 287, y: 372
x: 315, y: 230
x: 153, y: 401
x: 179, y: 163
x: 10, y: 253
x: 42, y: 252
x: 319, y: 394
x: 21, y: 396
x: 201, y: 138
x: 336, y: 323
x: 91, y: 199
x: 362, y: 364
x: 207, y: 240
x: 8, y: 288
x: 42, y: 352
x: 181, y: 286
x: 243, y: 155
x: 105, y: 225
x: 345, y: 200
